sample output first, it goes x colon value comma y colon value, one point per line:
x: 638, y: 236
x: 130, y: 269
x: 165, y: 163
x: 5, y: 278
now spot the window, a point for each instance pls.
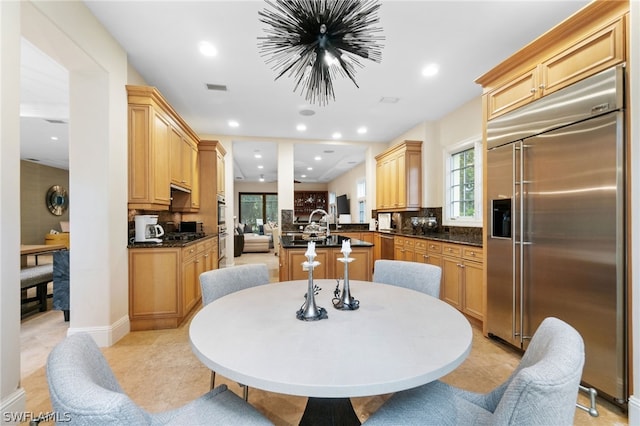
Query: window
x: 463, y: 187
x: 257, y: 208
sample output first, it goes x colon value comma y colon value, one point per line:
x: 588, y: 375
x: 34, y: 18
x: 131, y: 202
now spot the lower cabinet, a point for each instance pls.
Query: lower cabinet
x: 291, y: 261
x: 164, y: 283
x: 462, y: 279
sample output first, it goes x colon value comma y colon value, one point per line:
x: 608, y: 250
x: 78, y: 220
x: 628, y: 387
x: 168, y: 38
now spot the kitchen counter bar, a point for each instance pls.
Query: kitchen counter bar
x: 296, y: 241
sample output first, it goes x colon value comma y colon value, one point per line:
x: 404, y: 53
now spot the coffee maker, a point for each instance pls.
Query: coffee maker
x: 147, y: 229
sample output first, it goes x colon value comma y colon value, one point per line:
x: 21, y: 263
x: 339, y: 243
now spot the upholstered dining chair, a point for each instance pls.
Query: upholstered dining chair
x: 220, y: 282
x: 543, y: 389
x: 414, y: 275
x: 85, y: 391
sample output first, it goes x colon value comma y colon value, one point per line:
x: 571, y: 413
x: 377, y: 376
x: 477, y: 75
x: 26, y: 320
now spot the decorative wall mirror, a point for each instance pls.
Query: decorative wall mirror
x: 57, y: 200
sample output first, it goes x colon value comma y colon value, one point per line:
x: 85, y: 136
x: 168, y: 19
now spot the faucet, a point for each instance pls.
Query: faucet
x: 326, y: 217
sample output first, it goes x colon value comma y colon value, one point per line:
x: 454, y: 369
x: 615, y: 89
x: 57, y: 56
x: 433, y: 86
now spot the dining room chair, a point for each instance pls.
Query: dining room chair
x: 84, y: 391
x: 422, y: 277
x: 542, y: 390
x: 221, y: 282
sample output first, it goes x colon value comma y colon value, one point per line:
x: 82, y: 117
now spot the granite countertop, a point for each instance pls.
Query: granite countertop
x: 443, y: 236
x: 296, y: 241
x: 169, y: 243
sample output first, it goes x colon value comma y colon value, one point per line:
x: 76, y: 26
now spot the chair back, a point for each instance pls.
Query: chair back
x: 61, y: 280
x: 83, y: 388
x: 544, y: 388
x: 416, y: 276
x: 220, y: 282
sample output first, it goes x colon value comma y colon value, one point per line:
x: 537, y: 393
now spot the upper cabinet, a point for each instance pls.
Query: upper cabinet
x: 399, y: 177
x: 163, y: 152
x: 590, y: 41
x: 220, y: 171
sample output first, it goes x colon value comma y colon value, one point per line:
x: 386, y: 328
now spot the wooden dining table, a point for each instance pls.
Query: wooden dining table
x: 37, y: 250
x: 397, y: 339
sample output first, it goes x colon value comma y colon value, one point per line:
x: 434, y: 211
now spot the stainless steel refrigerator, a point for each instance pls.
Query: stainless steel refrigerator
x: 556, y: 237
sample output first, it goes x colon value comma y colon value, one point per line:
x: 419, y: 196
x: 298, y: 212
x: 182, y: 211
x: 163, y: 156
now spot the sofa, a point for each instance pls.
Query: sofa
x: 256, y: 243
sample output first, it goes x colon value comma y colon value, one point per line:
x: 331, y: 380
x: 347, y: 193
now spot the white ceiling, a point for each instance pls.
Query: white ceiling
x: 465, y: 38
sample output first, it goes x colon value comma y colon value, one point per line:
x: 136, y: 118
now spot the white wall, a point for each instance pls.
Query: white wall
x: 68, y: 32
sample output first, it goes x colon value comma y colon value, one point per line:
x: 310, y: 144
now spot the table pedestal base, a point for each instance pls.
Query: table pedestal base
x: 329, y: 411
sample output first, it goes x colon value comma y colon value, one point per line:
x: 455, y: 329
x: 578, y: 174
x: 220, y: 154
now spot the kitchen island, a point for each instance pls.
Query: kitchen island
x: 293, y: 248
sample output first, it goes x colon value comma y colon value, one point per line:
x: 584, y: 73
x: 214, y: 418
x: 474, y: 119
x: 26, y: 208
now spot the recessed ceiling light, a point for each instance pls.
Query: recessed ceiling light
x: 362, y: 130
x: 54, y: 138
x: 233, y: 123
x: 430, y: 70
x: 317, y: 158
x: 257, y: 155
x: 207, y: 49
x: 301, y: 127
x: 309, y: 168
x: 261, y: 179
x: 261, y: 166
x: 303, y: 176
x: 336, y: 135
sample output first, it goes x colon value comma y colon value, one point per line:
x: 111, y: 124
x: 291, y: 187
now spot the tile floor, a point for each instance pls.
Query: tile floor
x: 159, y: 372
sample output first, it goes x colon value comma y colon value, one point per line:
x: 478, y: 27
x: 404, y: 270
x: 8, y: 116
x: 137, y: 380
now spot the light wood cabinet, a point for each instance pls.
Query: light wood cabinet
x: 330, y: 267
x: 462, y: 278
x: 220, y: 170
x: 403, y: 248
x: 148, y: 159
x: 164, y: 283
x: 399, y: 177
x: 162, y: 152
x: 590, y: 42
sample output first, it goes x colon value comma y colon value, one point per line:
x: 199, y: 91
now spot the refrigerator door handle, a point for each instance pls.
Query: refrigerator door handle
x: 521, y: 238
x: 514, y: 241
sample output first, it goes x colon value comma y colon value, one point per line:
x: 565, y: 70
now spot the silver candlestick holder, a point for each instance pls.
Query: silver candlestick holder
x: 345, y: 302
x: 309, y: 310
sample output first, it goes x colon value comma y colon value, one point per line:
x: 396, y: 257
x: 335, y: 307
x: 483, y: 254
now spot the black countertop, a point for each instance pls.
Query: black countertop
x: 296, y: 241
x: 442, y: 236
x: 170, y: 243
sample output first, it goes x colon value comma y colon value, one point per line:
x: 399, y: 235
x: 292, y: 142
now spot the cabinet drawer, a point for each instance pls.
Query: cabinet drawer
x: 472, y: 253
x: 189, y: 251
x: 434, y: 247
x: 408, y: 243
x: 452, y: 250
x: 420, y: 246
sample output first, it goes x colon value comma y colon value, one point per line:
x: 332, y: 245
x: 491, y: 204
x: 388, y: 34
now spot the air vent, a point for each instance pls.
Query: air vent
x: 54, y: 121
x: 389, y: 100
x: 217, y: 87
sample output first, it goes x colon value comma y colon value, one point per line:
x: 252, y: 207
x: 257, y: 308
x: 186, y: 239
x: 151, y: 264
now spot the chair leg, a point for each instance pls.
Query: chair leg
x: 245, y: 392
x: 213, y: 379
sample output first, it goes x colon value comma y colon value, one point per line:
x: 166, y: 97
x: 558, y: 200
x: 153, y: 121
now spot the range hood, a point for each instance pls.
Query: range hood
x: 175, y: 187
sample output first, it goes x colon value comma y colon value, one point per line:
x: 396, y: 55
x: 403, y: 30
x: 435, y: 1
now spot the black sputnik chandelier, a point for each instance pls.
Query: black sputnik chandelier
x: 313, y: 41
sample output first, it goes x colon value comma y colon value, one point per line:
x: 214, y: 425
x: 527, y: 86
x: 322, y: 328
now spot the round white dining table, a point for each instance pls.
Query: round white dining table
x: 397, y: 339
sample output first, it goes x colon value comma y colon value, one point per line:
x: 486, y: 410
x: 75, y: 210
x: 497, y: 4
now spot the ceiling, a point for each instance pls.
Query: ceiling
x: 464, y: 38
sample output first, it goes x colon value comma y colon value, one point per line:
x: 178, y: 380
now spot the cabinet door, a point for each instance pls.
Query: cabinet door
x: 297, y: 258
x: 600, y: 51
x: 360, y: 269
x: 513, y: 94
x: 472, y: 278
x: 220, y: 173
x: 450, y: 290
x: 189, y: 280
x: 153, y: 275
x: 194, y: 169
x: 160, y: 149
x: 400, y: 183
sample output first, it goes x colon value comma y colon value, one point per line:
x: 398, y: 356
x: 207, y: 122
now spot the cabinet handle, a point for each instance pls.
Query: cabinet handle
x: 426, y: 256
x: 541, y: 87
x: 533, y: 90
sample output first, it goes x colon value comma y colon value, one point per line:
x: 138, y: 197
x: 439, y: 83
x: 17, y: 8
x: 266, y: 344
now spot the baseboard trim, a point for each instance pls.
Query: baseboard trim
x: 108, y: 335
x: 14, y: 408
x: 634, y: 410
